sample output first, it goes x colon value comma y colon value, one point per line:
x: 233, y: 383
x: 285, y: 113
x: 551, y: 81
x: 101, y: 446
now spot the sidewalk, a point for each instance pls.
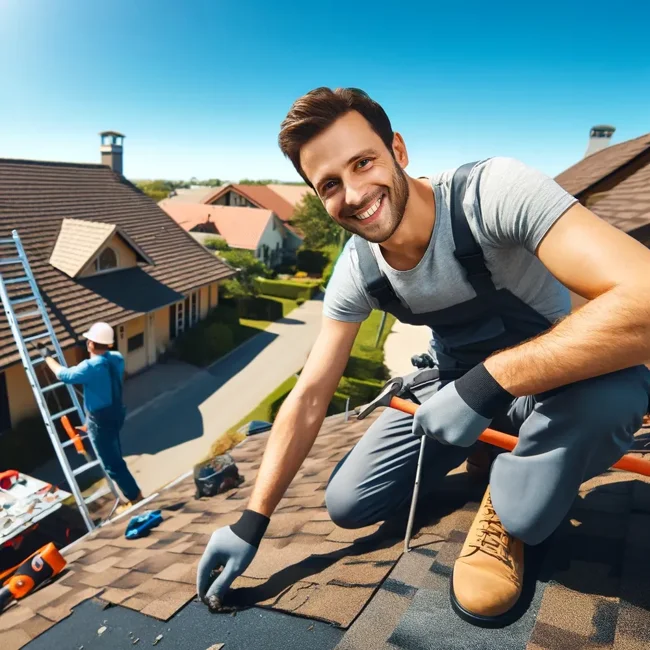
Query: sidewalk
x: 402, y: 343
x: 167, y: 436
x: 176, y: 411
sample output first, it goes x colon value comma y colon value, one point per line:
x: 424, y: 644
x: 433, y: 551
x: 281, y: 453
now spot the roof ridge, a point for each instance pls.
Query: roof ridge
x: 608, y: 150
x: 51, y: 163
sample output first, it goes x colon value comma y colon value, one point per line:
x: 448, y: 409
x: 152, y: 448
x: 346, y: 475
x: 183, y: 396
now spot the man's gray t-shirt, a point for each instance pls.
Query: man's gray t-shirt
x: 518, y: 205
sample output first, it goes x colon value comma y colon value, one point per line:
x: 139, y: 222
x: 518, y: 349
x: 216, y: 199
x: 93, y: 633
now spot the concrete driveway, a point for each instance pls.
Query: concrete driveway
x: 166, y: 438
x: 176, y: 411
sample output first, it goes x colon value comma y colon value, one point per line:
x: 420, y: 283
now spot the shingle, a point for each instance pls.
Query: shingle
x: 593, y: 168
x: 35, y: 198
x: 77, y: 243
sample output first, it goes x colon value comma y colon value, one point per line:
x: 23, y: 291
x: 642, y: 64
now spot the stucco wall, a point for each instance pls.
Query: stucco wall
x: 19, y: 393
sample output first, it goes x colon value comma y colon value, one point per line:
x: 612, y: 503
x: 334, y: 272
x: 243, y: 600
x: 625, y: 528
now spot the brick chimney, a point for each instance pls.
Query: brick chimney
x: 111, y: 150
x: 599, y: 138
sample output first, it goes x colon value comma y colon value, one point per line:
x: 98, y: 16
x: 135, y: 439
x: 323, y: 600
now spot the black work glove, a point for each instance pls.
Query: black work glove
x: 43, y: 350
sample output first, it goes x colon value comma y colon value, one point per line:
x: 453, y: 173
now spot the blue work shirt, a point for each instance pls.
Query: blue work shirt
x: 94, y: 376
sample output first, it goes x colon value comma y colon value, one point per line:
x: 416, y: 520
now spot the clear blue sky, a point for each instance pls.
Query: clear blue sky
x: 200, y: 87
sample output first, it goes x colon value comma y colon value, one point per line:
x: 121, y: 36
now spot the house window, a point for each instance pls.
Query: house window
x: 135, y: 342
x: 5, y: 415
x: 106, y: 260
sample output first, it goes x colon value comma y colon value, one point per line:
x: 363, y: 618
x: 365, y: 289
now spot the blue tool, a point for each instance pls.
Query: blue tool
x: 140, y: 525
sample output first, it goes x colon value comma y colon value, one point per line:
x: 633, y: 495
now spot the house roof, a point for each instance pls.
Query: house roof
x: 240, y: 227
x: 585, y: 587
x: 80, y: 241
x: 601, y: 164
x: 262, y: 195
x: 294, y: 194
x: 190, y: 195
x: 627, y: 205
x: 35, y: 198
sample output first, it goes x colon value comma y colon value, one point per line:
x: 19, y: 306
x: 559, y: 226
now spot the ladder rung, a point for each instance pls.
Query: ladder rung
x: 10, y: 260
x: 24, y: 278
x: 22, y: 301
x: 85, y: 468
x: 67, y: 443
x: 36, y: 337
x: 97, y: 494
x: 60, y: 414
x: 47, y: 389
x: 27, y: 314
x: 7, y: 241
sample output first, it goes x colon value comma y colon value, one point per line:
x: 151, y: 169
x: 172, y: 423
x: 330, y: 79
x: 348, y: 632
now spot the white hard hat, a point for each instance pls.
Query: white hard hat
x: 101, y: 333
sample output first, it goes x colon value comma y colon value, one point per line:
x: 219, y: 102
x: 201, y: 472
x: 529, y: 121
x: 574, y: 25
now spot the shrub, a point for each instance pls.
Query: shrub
x: 204, y: 343
x: 216, y: 244
x: 259, y: 308
x: 286, y: 289
x: 312, y: 261
x: 301, y: 274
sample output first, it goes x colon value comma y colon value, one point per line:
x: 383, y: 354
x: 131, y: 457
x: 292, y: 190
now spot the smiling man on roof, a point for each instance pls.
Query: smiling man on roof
x: 483, y: 255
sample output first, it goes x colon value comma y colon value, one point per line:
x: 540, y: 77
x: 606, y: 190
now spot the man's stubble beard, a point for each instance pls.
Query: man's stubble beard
x: 398, y: 198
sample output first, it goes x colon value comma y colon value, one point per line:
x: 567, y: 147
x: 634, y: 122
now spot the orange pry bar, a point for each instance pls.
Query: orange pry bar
x: 73, y: 434
x: 628, y: 463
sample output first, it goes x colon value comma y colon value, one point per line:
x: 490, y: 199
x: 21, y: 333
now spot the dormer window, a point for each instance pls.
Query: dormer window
x: 85, y: 248
x: 106, y: 261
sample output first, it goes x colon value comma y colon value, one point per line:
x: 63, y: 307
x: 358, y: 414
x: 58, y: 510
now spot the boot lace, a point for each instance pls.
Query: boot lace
x: 491, y: 536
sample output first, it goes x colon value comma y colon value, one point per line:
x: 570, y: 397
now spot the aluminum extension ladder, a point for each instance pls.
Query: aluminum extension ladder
x: 30, y: 295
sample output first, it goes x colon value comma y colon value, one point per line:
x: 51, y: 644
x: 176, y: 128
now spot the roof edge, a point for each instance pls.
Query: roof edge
x: 53, y: 163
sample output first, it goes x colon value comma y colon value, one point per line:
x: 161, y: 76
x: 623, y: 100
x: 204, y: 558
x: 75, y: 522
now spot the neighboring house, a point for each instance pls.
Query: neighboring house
x: 190, y: 194
x: 254, y: 229
x: 614, y: 183
x: 100, y: 249
x: 280, y: 199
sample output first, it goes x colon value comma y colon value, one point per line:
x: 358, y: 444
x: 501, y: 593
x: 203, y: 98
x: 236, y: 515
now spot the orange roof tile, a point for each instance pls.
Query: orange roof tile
x: 240, y: 227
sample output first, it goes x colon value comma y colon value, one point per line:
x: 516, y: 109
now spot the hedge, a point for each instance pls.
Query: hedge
x: 259, y: 308
x: 286, y: 289
x: 311, y: 261
x: 204, y: 343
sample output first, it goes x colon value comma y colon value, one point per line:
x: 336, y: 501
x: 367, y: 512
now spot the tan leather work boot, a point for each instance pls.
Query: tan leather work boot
x: 489, y: 572
x: 479, y: 462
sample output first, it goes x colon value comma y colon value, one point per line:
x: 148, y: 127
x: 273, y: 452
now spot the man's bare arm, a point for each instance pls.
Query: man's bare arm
x: 302, y: 413
x: 612, y: 332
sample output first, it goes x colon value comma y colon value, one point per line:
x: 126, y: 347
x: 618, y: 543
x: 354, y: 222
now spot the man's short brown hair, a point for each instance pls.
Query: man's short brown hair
x: 320, y: 108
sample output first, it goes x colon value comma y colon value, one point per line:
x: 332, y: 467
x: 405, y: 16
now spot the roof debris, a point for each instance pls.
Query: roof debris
x: 157, y: 640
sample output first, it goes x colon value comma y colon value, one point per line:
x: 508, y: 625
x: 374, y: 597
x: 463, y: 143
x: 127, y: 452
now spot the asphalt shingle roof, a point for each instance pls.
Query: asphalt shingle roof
x: 36, y: 196
x: 586, y: 587
x: 597, y: 166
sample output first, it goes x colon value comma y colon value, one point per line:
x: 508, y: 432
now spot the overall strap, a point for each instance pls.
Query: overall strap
x: 115, y: 382
x: 467, y: 251
x: 377, y: 283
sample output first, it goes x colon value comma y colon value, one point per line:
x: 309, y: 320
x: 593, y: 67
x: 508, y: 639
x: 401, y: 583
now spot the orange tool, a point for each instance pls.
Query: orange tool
x: 388, y: 397
x: 73, y: 434
x: 30, y: 574
x: 629, y: 463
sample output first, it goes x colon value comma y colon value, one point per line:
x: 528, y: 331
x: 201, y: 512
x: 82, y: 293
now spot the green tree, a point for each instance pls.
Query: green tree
x: 318, y: 228
x: 249, y: 268
x: 157, y: 190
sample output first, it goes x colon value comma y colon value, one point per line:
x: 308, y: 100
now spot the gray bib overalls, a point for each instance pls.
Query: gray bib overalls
x: 565, y: 436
